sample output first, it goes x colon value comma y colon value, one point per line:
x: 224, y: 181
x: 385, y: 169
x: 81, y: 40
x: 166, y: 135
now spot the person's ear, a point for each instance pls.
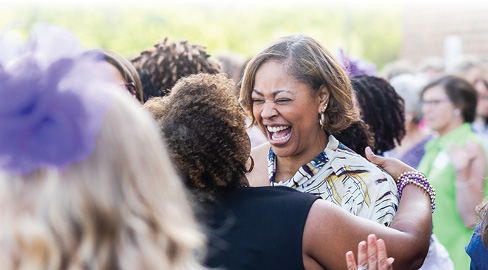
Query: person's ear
x: 324, y: 98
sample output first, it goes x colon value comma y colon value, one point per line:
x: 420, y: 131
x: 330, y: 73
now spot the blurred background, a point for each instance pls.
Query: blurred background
x: 377, y: 31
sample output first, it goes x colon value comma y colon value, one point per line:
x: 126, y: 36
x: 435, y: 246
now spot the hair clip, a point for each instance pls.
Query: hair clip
x: 52, y: 103
x: 355, y: 66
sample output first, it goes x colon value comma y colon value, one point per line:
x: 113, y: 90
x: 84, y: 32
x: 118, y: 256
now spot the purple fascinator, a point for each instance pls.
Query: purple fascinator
x: 52, y: 102
x: 355, y: 66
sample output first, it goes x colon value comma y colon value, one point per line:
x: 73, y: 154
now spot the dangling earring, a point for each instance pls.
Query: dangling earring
x: 322, y: 116
x: 456, y: 112
x: 252, y: 165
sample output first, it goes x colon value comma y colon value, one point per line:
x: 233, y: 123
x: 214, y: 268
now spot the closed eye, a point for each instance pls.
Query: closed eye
x: 257, y: 100
x: 282, y: 100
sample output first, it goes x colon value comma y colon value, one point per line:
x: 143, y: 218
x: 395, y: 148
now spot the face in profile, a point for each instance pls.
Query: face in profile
x: 475, y: 76
x: 482, y: 105
x: 285, y: 109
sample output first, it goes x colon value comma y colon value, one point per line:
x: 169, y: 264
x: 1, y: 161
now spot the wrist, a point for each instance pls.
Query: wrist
x: 418, y: 179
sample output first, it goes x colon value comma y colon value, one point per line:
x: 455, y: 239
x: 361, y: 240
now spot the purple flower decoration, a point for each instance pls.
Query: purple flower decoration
x: 355, y: 66
x: 52, y: 103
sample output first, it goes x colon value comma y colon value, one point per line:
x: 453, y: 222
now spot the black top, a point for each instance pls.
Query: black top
x: 258, y: 228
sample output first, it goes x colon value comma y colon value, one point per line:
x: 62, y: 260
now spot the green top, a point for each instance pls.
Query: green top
x: 448, y: 226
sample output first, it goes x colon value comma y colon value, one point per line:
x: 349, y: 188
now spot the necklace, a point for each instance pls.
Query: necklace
x: 303, y: 174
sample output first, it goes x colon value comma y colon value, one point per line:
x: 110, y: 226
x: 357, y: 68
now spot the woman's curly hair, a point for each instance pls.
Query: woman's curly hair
x: 166, y: 62
x: 204, y: 127
x: 382, y: 109
x: 357, y: 137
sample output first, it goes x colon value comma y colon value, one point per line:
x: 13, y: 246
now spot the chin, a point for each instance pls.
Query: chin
x: 282, y: 151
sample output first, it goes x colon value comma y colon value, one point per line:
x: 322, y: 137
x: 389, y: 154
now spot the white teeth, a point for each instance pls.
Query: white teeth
x: 278, y: 139
x: 276, y: 129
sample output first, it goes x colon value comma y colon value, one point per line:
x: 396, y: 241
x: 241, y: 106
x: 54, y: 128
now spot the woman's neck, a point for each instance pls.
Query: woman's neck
x: 455, y: 123
x: 286, y: 167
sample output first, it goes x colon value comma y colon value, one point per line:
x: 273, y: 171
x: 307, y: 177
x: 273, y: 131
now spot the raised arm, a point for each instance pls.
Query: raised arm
x: 330, y: 231
x: 470, y: 166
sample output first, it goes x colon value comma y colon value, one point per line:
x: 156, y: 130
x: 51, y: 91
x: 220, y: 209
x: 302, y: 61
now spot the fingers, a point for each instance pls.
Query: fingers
x: 389, y: 262
x: 459, y: 157
x: 371, y: 156
x: 350, y: 261
x: 382, y: 256
x: 362, y: 254
x: 382, y: 263
x: 392, y: 166
x: 372, y: 255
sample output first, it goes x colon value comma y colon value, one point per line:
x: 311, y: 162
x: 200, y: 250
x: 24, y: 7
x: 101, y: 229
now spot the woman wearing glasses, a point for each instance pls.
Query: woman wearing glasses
x: 454, y: 162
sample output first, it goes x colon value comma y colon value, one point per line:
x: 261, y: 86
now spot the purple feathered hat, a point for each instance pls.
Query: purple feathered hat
x: 52, y: 101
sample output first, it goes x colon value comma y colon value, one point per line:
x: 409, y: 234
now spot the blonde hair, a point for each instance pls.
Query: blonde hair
x: 123, y: 207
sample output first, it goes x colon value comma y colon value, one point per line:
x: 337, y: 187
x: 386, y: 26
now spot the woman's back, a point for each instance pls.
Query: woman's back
x: 265, y: 226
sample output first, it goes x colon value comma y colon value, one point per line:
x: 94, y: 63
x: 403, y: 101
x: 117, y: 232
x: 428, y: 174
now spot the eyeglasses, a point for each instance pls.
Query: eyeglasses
x: 434, y: 102
x: 131, y: 87
x: 483, y: 96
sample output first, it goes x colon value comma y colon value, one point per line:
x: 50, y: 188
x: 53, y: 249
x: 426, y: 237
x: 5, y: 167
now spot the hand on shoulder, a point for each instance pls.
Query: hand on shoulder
x: 392, y: 166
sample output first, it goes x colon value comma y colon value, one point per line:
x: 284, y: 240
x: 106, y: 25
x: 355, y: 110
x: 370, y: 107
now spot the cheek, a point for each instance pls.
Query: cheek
x: 256, y: 112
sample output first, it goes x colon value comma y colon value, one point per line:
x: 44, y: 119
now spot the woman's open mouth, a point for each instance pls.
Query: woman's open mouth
x: 278, y: 134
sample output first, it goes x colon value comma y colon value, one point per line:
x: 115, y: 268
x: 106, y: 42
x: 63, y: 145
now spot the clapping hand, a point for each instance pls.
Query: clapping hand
x: 371, y: 255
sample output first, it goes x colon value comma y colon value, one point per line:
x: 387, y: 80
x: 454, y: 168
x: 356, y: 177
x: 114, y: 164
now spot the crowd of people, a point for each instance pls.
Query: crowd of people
x: 292, y: 159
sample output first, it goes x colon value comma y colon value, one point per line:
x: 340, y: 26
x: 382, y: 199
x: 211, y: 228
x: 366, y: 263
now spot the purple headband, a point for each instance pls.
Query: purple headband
x: 355, y: 66
x: 52, y: 102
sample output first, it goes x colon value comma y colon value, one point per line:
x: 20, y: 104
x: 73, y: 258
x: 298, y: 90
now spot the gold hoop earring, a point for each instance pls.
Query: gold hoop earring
x: 252, y: 165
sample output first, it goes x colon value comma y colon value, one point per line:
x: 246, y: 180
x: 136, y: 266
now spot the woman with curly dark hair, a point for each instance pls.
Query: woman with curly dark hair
x: 271, y: 227
x: 382, y: 109
x: 194, y: 113
x: 160, y: 66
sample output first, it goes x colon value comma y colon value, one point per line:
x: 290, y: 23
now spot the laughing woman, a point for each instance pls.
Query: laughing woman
x: 298, y: 94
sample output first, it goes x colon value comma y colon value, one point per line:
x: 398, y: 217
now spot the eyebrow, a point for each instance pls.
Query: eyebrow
x: 274, y: 93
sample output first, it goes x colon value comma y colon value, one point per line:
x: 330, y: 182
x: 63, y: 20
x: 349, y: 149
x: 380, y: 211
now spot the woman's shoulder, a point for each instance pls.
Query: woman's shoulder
x: 344, y: 158
x: 351, y: 165
x: 258, y: 176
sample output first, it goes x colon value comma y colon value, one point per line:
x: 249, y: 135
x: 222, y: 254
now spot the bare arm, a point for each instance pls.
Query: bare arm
x: 330, y: 231
x: 470, y: 165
